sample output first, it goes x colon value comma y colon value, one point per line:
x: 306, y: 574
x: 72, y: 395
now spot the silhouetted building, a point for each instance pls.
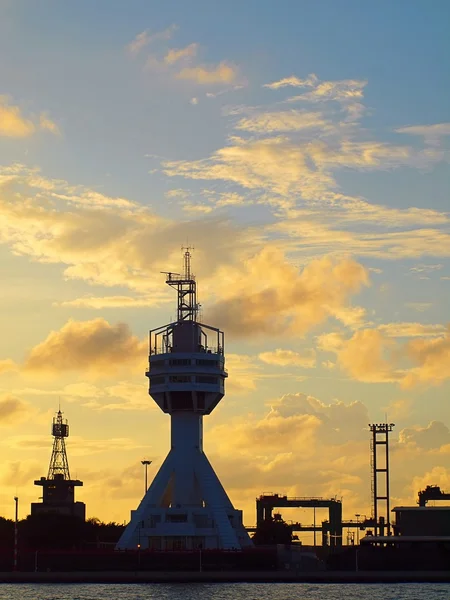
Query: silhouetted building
x: 58, y: 488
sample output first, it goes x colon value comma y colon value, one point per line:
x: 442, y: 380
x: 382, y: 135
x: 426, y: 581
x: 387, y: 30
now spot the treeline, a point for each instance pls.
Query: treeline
x: 64, y: 532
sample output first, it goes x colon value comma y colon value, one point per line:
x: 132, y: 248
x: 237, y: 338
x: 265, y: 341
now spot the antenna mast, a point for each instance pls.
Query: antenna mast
x: 186, y: 286
x: 59, y: 464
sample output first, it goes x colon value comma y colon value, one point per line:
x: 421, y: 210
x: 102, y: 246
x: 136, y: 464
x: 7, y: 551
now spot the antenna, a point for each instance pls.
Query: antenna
x: 187, y: 260
x: 59, y: 464
x: 186, y: 288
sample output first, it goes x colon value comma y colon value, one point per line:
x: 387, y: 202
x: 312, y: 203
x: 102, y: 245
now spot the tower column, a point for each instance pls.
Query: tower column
x: 186, y: 444
x: 187, y: 431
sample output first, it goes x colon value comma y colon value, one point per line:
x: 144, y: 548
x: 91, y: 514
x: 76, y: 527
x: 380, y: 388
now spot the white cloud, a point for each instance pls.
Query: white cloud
x: 293, y: 81
x: 431, y: 133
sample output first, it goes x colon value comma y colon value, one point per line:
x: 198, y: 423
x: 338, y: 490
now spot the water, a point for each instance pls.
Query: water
x: 227, y: 591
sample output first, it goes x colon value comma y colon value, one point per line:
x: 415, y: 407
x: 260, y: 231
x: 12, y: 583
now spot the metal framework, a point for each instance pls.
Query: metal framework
x: 380, y: 437
x: 59, y: 465
x: 58, y: 493
x: 432, y: 492
x: 267, y: 502
x: 186, y: 286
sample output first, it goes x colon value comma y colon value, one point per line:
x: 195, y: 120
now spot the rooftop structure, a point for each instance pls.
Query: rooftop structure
x: 58, y: 488
x: 186, y: 506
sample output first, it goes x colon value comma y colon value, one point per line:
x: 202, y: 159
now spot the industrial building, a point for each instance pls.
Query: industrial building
x: 58, y: 489
x: 186, y: 506
x: 424, y: 520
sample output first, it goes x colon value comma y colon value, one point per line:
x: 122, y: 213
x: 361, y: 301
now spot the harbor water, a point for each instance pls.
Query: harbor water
x: 223, y: 591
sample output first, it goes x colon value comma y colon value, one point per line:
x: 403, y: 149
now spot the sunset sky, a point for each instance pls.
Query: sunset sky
x: 302, y: 147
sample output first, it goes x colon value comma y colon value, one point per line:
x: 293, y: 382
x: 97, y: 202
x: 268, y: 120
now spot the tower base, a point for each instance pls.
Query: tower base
x: 185, y: 508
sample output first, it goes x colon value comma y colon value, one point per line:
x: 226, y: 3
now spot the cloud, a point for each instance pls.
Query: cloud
x: 437, y: 475
x: 425, y: 268
x: 434, y: 435
x: 208, y: 75
x: 293, y: 81
x: 285, y: 358
x: 398, y: 409
x: 113, y: 302
x: 19, y: 473
x: 12, y: 409
x: 79, y: 446
x: 281, y: 121
x: 432, y: 357
x: 15, y: 125
x: 176, y: 54
x: 411, y: 330
x: 431, y: 133
x: 12, y: 122
x: 145, y: 38
x: 243, y: 373
x: 105, y: 240
x: 298, y: 170
x: 372, y: 355
x: 47, y: 124
x: 346, y: 90
x: 7, y: 365
x: 363, y: 357
x: 297, y: 300
x: 91, y: 346
x: 324, y: 451
x: 419, y: 306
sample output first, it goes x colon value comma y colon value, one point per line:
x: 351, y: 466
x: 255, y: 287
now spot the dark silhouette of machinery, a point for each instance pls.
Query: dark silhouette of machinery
x: 58, y: 488
x: 331, y: 528
x: 432, y: 492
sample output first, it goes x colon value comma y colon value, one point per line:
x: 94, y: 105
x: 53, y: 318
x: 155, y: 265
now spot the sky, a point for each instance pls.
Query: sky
x: 302, y: 149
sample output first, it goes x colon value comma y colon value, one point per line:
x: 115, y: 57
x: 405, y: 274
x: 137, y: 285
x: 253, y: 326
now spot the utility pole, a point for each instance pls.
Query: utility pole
x: 16, y: 531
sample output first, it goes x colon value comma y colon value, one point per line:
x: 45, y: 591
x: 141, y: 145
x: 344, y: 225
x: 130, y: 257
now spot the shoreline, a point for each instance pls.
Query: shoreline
x: 227, y: 577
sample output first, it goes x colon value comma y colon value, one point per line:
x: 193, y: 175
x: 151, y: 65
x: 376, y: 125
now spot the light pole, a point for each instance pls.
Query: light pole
x: 357, y: 515
x: 16, y: 531
x: 314, y: 509
x: 146, y: 463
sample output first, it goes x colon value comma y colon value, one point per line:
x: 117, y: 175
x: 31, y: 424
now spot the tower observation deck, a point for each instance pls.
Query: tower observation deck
x: 186, y: 506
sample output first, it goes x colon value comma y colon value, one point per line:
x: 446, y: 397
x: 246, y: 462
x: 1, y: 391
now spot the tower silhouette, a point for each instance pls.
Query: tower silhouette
x: 58, y: 488
x: 186, y: 506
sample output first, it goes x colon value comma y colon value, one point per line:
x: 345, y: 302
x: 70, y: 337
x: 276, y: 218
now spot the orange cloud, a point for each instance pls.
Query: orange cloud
x: 12, y: 122
x: 432, y: 357
x: 363, y: 357
x: 12, y: 409
x: 267, y: 295
x: 284, y: 358
x: 7, y: 365
x: 91, y: 346
x: 222, y: 73
x: 176, y: 54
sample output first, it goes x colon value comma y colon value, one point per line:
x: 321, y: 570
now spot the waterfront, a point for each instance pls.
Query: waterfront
x: 226, y: 591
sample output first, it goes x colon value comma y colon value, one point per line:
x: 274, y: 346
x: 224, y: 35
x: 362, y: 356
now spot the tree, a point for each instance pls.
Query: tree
x: 273, y: 531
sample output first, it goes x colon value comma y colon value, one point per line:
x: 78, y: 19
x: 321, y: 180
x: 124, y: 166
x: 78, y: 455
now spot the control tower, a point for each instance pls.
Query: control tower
x: 58, y: 488
x: 186, y: 507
